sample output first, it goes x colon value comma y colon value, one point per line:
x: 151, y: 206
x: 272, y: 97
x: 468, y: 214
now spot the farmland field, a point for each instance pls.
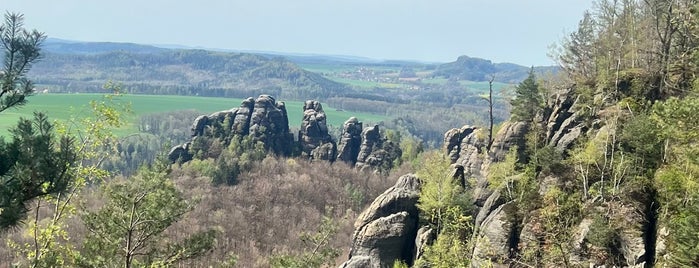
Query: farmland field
x: 66, y: 106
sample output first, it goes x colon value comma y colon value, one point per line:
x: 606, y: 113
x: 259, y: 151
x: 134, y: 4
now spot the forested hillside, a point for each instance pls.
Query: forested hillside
x: 180, y: 72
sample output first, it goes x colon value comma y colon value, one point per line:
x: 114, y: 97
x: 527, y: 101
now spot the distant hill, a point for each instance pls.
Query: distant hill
x: 60, y: 46
x: 85, y: 67
x: 476, y: 69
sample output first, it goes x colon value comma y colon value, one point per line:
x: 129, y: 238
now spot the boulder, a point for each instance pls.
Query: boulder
x: 387, y: 230
x: 425, y: 237
x: 511, y: 134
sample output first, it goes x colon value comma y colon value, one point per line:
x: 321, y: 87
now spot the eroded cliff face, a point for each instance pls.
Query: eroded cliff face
x: 510, y: 233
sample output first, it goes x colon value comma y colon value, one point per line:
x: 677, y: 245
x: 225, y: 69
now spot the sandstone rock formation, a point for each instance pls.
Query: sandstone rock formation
x: 314, y: 139
x: 375, y: 151
x: 387, y: 230
x: 350, y: 141
x: 264, y: 119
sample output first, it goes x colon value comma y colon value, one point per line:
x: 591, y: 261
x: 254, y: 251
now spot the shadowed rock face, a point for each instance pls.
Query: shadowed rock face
x: 269, y: 124
x: 387, y: 230
x: 376, y: 152
x: 350, y: 141
x: 314, y: 139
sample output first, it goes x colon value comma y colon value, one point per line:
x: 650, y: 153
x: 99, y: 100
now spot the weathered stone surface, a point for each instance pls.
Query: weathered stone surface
x: 180, y: 153
x: 371, y: 139
x: 425, y: 237
x: 376, y: 152
x: 387, y: 229
x: 492, y: 242
x: 314, y: 139
x: 241, y: 120
x: 263, y: 118
x: 350, y: 141
x: 199, y: 124
x: 465, y: 148
x: 269, y: 124
x: 511, y: 134
x: 562, y: 124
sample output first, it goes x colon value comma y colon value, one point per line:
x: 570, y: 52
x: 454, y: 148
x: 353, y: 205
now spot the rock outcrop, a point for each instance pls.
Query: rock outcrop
x: 350, y: 141
x: 387, y: 230
x: 314, y: 139
x: 269, y: 124
x: 551, y: 213
x: 263, y: 119
x: 266, y: 121
x: 376, y: 151
x: 563, y: 125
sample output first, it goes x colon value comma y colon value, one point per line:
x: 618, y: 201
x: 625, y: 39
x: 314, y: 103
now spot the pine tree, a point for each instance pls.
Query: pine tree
x: 21, y: 49
x: 34, y: 164
x: 528, y: 99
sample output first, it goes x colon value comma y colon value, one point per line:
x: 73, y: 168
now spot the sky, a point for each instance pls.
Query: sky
x: 517, y: 31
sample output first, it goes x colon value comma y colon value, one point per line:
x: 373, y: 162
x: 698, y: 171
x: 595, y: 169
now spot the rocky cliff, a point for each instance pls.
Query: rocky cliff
x: 265, y: 120
x: 556, y: 224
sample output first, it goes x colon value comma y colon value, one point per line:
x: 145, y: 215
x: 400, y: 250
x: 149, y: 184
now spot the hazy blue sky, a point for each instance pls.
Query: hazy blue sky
x: 518, y: 31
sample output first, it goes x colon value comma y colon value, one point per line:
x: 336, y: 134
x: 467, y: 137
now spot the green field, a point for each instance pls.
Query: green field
x: 66, y: 106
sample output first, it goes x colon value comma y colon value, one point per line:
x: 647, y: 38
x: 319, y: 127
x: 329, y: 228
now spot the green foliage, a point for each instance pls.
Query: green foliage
x: 34, y: 164
x: 128, y: 229
x: 443, y: 201
x: 601, y: 233
x: 239, y: 157
x: 317, y: 252
x: 502, y: 174
x: 445, y: 205
x: 528, y: 99
x: 50, y: 245
x: 560, y: 213
x: 677, y: 180
x: 449, y: 250
x: 20, y: 48
x: 400, y: 264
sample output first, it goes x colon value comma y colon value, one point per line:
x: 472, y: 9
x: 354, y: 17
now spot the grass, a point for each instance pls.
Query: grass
x: 63, y: 107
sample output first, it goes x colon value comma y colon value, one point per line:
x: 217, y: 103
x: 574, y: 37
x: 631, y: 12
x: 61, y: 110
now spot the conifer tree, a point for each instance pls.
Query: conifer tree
x: 528, y: 99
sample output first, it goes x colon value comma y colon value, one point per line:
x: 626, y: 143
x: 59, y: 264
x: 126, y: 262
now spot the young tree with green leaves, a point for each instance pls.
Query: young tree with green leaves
x: 127, y: 231
x: 445, y: 205
x: 50, y: 242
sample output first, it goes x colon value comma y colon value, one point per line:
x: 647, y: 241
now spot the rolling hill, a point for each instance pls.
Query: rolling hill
x: 85, y: 67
